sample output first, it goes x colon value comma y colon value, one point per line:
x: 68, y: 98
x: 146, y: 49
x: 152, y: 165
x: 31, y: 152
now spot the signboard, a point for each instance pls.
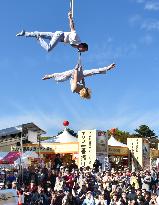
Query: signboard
x: 34, y: 148
x: 118, y: 151
x: 154, y: 153
x: 146, y: 154
x: 62, y: 148
x: 102, y: 149
x: 8, y: 197
x: 87, y: 147
x: 101, y: 143
x: 92, y: 144
x: 135, y: 146
x: 140, y: 152
x: 50, y: 148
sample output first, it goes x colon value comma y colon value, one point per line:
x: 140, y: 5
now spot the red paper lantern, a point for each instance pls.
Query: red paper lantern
x: 112, y: 131
x: 65, y: 123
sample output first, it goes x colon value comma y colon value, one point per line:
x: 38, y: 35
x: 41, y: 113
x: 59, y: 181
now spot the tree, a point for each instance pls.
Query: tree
x: 145, y: 132
x: 120, y: 135
x: 42, y: 138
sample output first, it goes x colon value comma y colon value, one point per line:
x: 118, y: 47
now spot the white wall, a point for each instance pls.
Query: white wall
x: 32, y: 136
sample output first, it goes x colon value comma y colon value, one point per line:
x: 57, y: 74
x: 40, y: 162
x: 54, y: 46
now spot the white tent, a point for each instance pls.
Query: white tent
x: 113, y: 142
x: 25, y: 157
x: 62, y: 138
x: 31, y: 154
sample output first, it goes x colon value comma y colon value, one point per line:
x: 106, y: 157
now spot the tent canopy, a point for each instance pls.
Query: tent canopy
x: 25, y: 157
x: 31, y: 154
x: 62, y: 138
x: 113, y: 142
x: 9, y: 157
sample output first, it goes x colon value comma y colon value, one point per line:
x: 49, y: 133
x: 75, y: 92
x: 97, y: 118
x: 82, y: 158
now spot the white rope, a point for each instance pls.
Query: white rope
x: 72, y: 6
x: 79, y: 59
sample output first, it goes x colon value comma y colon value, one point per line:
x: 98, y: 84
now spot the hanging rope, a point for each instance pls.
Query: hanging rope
x: 79, y: 59
x: 71, y: 6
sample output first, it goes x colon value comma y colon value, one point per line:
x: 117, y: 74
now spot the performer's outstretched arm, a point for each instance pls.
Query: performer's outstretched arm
x: 87, y: 73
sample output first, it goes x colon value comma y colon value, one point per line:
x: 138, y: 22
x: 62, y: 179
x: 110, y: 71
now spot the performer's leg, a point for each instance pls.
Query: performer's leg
x: 80, y: 75
x: 77, y: 77
x: 57, y: 37
x: 74, y: 81
x: 54, y: 38
x: 47, y: 35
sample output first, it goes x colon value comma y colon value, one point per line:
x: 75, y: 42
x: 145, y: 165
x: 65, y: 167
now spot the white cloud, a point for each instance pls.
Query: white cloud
x: 135, y: 19
x: 147, y: 40
x: 124, y: 119
x: 110, y: 40
x: 150, y: 25
x: 140, y: 1
x: 149, y: 118
x: 152, y: 6
x: 107, y: 52
x: 128, y: 121
x: 44, y: 121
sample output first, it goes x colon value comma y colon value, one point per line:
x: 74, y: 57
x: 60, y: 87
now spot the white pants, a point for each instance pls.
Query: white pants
x: 54, y: 38
x: 60, y: 77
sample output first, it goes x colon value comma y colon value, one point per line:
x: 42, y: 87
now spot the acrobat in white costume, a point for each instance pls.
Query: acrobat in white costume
x: 54, y: 38
x: 77, y: 76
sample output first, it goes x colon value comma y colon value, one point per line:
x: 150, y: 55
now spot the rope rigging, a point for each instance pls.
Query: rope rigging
x: 72, y: 6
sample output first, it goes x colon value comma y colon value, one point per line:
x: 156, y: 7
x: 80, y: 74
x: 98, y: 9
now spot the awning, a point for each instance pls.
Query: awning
x: 9, y: 157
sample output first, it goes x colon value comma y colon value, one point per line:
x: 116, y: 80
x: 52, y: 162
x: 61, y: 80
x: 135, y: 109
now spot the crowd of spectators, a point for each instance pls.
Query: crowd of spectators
x: 68, y: 185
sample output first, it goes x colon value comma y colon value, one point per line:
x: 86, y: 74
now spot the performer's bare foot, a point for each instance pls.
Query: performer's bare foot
x: 111, y: 66
x: 22, y: 33
x: 46, y: 77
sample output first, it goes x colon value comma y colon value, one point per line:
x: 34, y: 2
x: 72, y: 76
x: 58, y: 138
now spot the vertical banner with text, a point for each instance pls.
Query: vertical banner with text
x: 93, y: 144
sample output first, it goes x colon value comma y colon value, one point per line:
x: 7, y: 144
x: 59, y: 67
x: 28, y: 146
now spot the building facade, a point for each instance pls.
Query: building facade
x: 19, y: 135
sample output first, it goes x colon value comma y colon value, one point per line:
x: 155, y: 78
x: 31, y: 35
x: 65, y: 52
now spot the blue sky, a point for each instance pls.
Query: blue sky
x: 121, y: 31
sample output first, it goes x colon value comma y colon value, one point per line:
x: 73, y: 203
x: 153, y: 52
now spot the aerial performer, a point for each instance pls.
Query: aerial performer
x: 54, y: 38
x: 77, y: 78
